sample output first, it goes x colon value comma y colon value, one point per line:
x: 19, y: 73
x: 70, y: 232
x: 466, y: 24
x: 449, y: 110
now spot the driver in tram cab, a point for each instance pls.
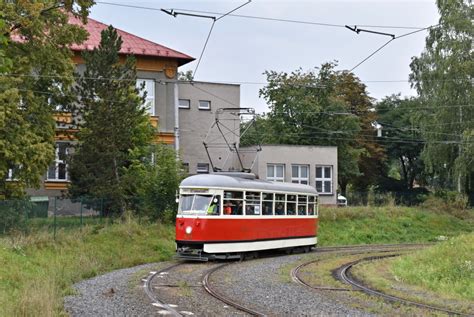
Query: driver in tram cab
x: 214, y: 206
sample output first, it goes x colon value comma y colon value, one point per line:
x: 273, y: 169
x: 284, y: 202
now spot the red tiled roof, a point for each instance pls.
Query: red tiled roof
x: 132, y: 44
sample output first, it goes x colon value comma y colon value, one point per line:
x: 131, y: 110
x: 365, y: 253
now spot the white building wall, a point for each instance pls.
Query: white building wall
x: 289, y: 155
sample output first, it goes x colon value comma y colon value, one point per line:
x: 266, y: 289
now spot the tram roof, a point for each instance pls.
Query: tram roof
x: 226, y: 181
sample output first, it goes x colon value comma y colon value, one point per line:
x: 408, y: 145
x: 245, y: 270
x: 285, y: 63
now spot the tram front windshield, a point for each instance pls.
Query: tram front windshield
x: 194, y: 204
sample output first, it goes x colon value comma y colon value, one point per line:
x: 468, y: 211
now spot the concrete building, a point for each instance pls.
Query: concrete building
x: 198, y: 103
x: 303, y: 164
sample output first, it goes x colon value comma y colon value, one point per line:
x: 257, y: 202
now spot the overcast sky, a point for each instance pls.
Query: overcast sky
x: 241, y: 49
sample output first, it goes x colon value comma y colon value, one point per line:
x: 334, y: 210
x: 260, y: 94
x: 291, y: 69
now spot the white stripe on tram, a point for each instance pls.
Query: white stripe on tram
x: 258, y: 245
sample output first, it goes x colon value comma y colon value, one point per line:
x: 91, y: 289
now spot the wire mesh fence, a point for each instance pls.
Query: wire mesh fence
x: 50, y: 214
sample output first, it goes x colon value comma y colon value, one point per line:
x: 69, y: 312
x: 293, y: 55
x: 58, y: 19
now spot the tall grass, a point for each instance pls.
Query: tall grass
x: 447, y: 268
x: 388, y: 224
x: 36, y: 272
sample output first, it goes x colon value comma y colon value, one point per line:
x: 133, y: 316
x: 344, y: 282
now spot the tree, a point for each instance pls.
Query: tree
x: 155, y: 193
x: 353, y: 93
x: 35, y: 59
x: 443, y: 76
x: 402, y: 137
x: 114, y: 128
x: 186, y: 76
x: 310, y: 108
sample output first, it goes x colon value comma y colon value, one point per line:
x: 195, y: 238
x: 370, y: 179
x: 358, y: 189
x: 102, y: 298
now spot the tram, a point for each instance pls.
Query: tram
x: 232, y: 215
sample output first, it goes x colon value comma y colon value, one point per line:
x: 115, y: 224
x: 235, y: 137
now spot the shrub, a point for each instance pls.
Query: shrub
x: 159, y: 182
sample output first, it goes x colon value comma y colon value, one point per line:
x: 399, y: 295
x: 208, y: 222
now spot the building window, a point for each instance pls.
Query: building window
x: 276, y: 172
x: 149, y: 88
x: 184, y: 103
x: 300, y: 174
x: 202, y: 168
x: 57, y: 171
x: 324, y: 179
x: 204, y: 105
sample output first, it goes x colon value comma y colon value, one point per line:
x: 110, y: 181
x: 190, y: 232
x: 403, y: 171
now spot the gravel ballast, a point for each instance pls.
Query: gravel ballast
x: 261, y: 285
x: 258, y: 284
x: 118, y: 293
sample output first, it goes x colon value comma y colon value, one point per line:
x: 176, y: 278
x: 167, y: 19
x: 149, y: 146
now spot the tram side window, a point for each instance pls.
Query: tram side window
x: 252, y: 203
x: 302, y: 200
x: 233, y: 203
x: 311, y: 206
x: 267, y: 204
x: 291, y: 205
x: 279, y: 204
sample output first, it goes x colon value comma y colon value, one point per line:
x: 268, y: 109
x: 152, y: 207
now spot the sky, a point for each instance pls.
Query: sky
x: 240, y: 49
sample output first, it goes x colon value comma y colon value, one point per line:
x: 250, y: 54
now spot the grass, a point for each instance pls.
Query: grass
x: 389, y: 224
x: 36, y: 272
x: 447, y: 268
x: 377, y: 274
x: 320, y: 274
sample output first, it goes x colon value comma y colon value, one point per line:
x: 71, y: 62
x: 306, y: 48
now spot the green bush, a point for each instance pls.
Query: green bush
x: 159, y: 183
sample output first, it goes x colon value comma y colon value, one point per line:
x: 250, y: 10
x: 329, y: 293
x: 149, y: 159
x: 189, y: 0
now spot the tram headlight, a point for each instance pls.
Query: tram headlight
x: 188, y: 230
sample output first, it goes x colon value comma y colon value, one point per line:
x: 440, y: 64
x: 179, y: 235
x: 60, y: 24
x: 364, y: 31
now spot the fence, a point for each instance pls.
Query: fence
x: 51, y: 214
x: 372, y: 198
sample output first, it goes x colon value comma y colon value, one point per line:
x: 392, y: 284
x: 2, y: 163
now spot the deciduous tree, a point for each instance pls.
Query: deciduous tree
x: 310, y: 108
x: 403, y: 140
x: 443, y: 77
x: 35, y: 60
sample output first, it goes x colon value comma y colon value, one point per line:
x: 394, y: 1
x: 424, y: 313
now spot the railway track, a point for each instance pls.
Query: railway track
x: 346, y: 276
x: 169, y: 310
x: 343, y: 273
x: 228, y: 301
x: 373, y: 247
x: 157, y: 302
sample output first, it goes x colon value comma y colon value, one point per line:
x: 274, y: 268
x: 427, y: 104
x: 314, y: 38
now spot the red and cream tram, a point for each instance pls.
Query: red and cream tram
x: 226, y: 215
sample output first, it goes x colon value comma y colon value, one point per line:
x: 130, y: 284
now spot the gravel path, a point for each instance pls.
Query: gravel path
x: 182, y: 288
x: 260, y: 284
x: 118, y: 293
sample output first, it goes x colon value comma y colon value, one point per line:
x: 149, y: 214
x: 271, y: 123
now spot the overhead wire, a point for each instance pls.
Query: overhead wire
x: 259, y: 17
x: 388, y: 42
x: 13, y: 75
x: 210, y: 32
x: 333, y: 132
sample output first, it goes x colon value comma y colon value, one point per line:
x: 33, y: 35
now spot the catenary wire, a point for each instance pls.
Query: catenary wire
x: 14, y: 75
x: 233, y: 104
x: 388, y: 42
x: 210, y: 32
x: 260, y: 17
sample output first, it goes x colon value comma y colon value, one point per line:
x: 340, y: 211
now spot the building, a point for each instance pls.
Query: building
x: 157, y: 66
x: 186, y: 115
x: 303, y: 164
x: 198, y: 103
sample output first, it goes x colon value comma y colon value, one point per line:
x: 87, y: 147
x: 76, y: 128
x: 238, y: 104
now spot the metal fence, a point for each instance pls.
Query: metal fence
x: 50, y: 214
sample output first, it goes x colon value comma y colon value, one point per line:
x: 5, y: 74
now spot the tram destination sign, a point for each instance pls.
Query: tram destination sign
x: 195, y: 190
